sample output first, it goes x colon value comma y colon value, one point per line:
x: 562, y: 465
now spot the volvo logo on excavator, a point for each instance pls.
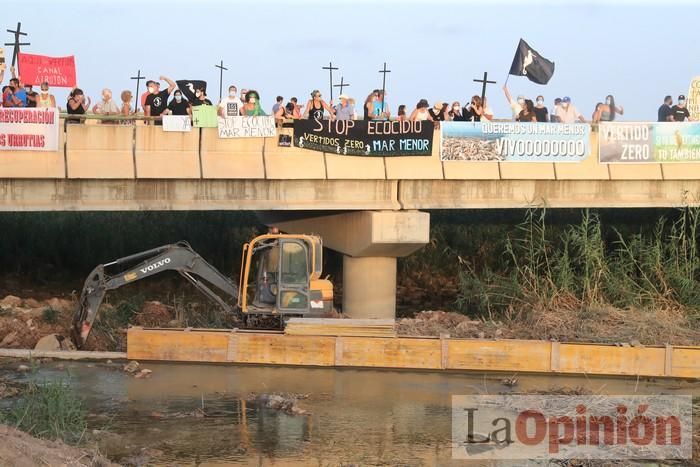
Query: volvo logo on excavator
x: 156, y: 265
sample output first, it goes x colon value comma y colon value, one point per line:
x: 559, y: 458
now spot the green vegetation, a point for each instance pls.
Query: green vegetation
x: 578, y: 265
x: 48, y: 410
x: 50, y: 315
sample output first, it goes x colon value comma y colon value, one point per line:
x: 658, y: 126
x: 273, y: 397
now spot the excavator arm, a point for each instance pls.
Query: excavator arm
x: 178, y: 257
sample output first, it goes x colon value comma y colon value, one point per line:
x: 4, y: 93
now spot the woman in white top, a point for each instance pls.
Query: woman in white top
x: 421, y: 112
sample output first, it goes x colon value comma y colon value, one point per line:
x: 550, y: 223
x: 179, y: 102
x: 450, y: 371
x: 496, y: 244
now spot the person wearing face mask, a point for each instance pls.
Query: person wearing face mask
x: 106, y: 106
x: 252, y: 107
x: 679, y: 111
x: 157, y: 100
x: 567, y: 113
x: 178, y: 105
x: 516, y: 106
x: 200, y: 95
x: 44, y: 98
x: 540, y: 110
x: 230, y: 106
x: 31, y: 95
x: 607, y: 110
x: 455, y: 113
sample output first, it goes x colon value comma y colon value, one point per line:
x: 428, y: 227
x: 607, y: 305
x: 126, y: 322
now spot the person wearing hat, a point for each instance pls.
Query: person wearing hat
x: 344, y: 111
x: 157, y: 100
x: 680, y: 111
x: 567, y: 113
x: 315, y: 107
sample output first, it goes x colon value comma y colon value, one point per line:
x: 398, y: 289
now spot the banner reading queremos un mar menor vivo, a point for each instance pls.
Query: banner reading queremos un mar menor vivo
x: 649, y: 142
x: 365, y: 138
x: 515, y: 141
x: 28, y: 129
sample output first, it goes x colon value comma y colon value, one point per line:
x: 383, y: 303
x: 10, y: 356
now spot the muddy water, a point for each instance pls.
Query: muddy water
x: 356, y: 417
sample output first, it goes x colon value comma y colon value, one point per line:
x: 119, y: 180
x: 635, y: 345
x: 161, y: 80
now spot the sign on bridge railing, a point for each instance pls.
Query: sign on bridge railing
x: 515, y: 141
x: 365, y: 138
x: 29, y: 129
x: 649, y: 142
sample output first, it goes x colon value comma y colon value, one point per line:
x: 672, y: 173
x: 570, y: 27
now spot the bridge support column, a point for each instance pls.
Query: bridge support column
x: 369, y: 287
x: 371, y: 241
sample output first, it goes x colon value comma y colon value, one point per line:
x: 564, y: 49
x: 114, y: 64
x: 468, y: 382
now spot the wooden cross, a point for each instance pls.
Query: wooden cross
x: 221, y: 68
x: 16, y: 43
x: 484, y: 82
x: 384, y: 71
x: 330, y: 69
x: 341, y: 85
x: 138, y: 79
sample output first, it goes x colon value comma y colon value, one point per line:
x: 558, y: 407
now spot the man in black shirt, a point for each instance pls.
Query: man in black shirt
x: 665, y: 112
x: 200, y: 97
x: 179, y: 105
x: 157, y: 100
x: 680, y: 112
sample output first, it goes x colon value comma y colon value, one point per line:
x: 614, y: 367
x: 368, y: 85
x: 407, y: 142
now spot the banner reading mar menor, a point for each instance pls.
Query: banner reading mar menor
x: 649, y: 142
x: 365, y: 138
x: 515, y: 141
x: 29, y: 129
x: 247, y: 127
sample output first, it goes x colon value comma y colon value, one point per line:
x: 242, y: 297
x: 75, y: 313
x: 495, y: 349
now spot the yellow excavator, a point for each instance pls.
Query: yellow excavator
x: 280, y: 277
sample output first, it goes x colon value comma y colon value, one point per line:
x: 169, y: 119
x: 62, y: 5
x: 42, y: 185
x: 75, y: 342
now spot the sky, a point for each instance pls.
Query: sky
x: 637, y: 51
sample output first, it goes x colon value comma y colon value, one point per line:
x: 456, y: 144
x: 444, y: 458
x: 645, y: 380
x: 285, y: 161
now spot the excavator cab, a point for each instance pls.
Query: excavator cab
x: 280, y: 274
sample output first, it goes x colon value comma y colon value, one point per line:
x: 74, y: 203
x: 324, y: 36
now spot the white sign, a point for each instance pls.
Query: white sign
x: 28, y: 129
x: 247, y: 127
x: 177, y: 123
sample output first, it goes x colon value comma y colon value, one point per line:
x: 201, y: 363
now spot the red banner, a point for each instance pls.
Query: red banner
x: 57, y: 71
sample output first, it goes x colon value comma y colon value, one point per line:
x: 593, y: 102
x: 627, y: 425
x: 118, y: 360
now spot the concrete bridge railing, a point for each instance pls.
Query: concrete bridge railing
x: 102, y: 166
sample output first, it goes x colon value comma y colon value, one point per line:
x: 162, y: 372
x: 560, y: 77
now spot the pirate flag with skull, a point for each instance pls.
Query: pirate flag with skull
x: 528, y: 62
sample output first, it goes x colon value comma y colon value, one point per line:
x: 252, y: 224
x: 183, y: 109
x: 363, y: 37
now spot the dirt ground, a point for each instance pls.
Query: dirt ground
x: 18, y: 449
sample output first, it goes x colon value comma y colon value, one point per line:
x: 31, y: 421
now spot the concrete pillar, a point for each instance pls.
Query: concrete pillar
x: 369, y: 287
x: 370, y: 242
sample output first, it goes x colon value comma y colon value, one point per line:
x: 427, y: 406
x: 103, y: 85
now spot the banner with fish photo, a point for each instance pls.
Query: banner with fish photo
x: 621, y: 143
x: 515, y: 142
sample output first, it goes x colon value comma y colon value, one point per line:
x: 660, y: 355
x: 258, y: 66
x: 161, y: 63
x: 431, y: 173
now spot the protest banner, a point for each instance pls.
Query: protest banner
x: 204, y: 116
x: 515, y: 141
x: 180, y: 123
x: 365, y: 138
x: 57, y: 71
x: 247, y: 127
x: 29, y: 129
x: 694, y: 99
x: 649, y: 142
x: 625, y: 142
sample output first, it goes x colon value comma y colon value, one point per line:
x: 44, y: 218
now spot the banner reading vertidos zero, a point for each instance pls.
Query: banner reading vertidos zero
x: 365, y: 138
x: 649, y: 142
x: 28, y: 129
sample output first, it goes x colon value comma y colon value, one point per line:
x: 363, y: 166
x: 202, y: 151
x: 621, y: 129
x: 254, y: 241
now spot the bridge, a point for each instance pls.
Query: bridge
x: 375, y: 202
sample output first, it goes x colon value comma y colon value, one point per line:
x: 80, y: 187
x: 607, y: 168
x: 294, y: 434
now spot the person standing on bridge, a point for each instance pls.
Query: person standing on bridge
x: 516, y: 106
x: 665, y: 114
x: 540, y: 110
x: 607, y: 110
x: 316, y: 106
x: 344, y: 111
x: 421, y: 112
x: 230, y: 106
x: 252, y: 107
x: 157, y: 100
x: 567, y: 113
x: 45, y: 100
x: 680, y: 111
x: 178, y: 105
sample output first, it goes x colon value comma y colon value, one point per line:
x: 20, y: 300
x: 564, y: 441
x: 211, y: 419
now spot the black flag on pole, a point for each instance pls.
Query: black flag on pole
x: 528, y: 62
x: 188, y: 87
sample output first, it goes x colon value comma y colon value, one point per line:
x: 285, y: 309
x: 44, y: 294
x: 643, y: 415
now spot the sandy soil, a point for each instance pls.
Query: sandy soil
x: 18, y: 449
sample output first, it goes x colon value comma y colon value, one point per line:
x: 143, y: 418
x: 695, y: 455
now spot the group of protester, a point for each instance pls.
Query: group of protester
x: 171, y: 101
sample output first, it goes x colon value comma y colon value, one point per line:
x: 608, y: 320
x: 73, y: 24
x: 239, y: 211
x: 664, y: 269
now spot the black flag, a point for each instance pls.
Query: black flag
x: 188, y: 87
x: 528, y: 62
